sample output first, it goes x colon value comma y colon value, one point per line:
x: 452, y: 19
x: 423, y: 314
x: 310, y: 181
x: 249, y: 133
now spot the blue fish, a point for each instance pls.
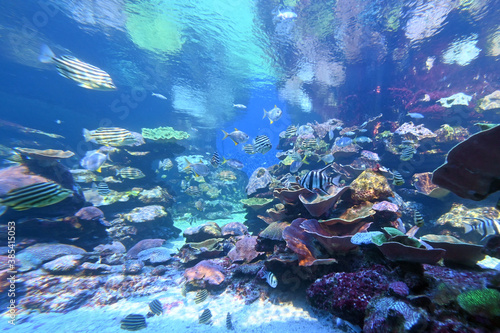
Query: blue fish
x: 415, y: 115
x: 343, y: 141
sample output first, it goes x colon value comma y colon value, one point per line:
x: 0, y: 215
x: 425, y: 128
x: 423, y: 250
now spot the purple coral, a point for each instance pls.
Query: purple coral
x: 399, y: 288
x: 347, y: 295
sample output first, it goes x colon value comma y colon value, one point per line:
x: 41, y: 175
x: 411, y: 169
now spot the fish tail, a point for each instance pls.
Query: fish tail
x: 188, y: 163
x: 304, y: 160
x: 265, y: 114
x: 223, y: 160
x: 226, y: 134
x: 87, y: 135
x: 271, y: 121
x: 100, y: 169
x: 46, y: 55
x: 467, y: 227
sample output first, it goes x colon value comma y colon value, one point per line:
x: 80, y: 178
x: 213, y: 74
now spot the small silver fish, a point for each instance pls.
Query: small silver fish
x: 237, y: 136
x: 415, y: 115
x: 239, y: 106
x: 271, y: 279
x: 286, y: 15
x: 160, y: 96
x: 274, y: 114
x: 328, y: 158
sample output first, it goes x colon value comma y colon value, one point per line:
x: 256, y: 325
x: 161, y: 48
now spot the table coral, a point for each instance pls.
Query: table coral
x: 165, y: 134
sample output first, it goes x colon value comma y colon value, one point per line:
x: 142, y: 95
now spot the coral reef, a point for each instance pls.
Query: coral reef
x: 163, y: 134
x: 34, y: 256
x: 205, y: 273
x: 490, y: 102
x: 259, y: 180
x: 370, y: 186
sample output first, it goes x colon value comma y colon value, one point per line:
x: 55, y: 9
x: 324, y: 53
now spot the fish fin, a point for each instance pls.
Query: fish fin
x: 226, y: 134
x: 86, y: 85
x: 271, y: 121
x: 235, y: 143
x: 275, y: 106
x: 46, y: 55
x: 3, y: 209
x: 467, y: 227
x: 100, y: 169
x: 265, y: 114
x: 235, y: 129
x: 304, y: 160
x: 223, y: 160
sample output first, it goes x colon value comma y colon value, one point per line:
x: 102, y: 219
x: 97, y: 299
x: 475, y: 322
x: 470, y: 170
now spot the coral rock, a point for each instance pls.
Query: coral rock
x: 34, y: 256
x: 202, y: 232
x: 318, y: 205
x: 155, y: 255
x: 144, y: 245
x: 259, y: 179
x: 370, y: 186
x: 244, y: 250
x: 64, y: 264
x: 490, y: 102
x: 423, y: 183
x: 234, y: 229
x: 203, y: 273
x: 145, y: 214
x: 274, y: 231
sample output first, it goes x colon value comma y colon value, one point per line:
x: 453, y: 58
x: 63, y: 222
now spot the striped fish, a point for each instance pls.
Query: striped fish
x: 205, y: 317
x: 130, y: 173
x: 397, y: 179
x: 103, y: 189
x: 201, y: 296
x: 249, y: 149
x: 229, y: 322
x: 262, y: 144
x: 291, y: 131
x: 418, y: 219
x: 156, y: 307
x: 310, y: 143
x: 35, y: 196
x: 109, y: 136
x: 316, y: 180
x: 407, y: 153
x: 486, y: 227
x: 215, y: 160
x: 133, y: 322
x: 86, y: 75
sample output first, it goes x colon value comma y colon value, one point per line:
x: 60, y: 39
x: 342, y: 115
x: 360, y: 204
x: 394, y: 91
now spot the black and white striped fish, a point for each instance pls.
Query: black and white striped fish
x: 486, y: 227
x: 133, y: 322
x: 109, y: 136
x: 249, y: 149
x: 397, y: 179
x: 229, y: 322
x: 35, y: 196
x: 156, y: 307
x: 290, y: 131
x: 103, y: 189
x: 418, y: 219
x: 86, y: 75
x: 262, y: 144
x: 130, y: 173
x: 205, y: 317
x: 215, y: 160
x: 201, y: 296
x: 407, y: 153
x: 317, y: 180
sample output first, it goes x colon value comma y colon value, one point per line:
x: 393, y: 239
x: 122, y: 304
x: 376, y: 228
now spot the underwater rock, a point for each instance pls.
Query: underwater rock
x: 455, y: 99
x: 471, y: 170
x: 205, y: 273
x: 317, y: 204
x: 387, y: 314
x: 347, y: 295
x: 210, y: 248
x: 133, y: 267
x: 278, y: 212
x: 274, y: 231
x: 64, y: 264
x: 96, y: 268
x: 460, y: 214
x: 370, y: 186
x: 423, y: 183
x: 457, y: 251
x: 163, y: 134
x: 302, y: 244
x: 234, y: 229
x: 447, y: 133
x: 115, y: 247
x: 34, y: 256
x: 411, y: 132
x: 202, y: 232
x: 259, y: 179
x: 145, y: 214
x: 489, y: 102
x: 144, y: 245
x: 155, y: 255
x: 47, y: 154
x: 244, y: 250
x: 155, y: 195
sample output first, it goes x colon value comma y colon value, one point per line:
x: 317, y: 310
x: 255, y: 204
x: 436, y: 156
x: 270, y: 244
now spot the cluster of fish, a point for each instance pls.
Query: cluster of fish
x: 216, y: 162
x: 136, y: 322
x: 261, y: 144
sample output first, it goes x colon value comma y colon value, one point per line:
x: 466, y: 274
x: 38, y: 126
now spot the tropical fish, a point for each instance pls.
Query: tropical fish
x: 35, y: 196
x: 415, y: 115
x: 166, y: 164
x: 229, y: 322
x: 362, y: 139
x: 316, y: 180
x: 328, y: 158
x: 201, y: 296
x: 205, y: 317
x: 133, y: 322
x: 407, y: 153
x: 331, y: 134
x: 418, y: 219
x: 310, y: 143
x: 93, y: 160
x: 156, y: 307
x: 295, y: 166
x: 349, y: 133
x: 160, y: 96
x: 342, y: 141
x: 274, y: 114
x: 109, y: 136
x: 86, y: 75
x: 199, y: 169
x: 199, y: 205
x: 239, y: 106
x: 215, y: 160
x: 130, y: 173
x: 486, y: 227
x: 370, y: 155
x: 286, y: 15
x: 193, y: 191
x: 291, y: 131
x: 103, y: 189
x: 249, y: 149
x: 262, y: 144
x: 236, y: 136
x: 233, y: 163
x: 271, y: 279
x: 397, y: 179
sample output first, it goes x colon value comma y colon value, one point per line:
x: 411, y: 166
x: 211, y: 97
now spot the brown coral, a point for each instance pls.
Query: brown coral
x: 203, y: 273
x: 370, y: 186
x: 244, y: 250
x: 317, y: 204
x: 423, y: 183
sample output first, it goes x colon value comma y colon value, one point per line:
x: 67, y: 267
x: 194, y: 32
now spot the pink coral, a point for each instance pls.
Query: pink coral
x: 399, y: 288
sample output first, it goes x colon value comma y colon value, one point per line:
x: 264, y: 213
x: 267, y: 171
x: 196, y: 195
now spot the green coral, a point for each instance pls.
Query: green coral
x: 384, y: 134
x: 163, y: 134
x: 481, y: 302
